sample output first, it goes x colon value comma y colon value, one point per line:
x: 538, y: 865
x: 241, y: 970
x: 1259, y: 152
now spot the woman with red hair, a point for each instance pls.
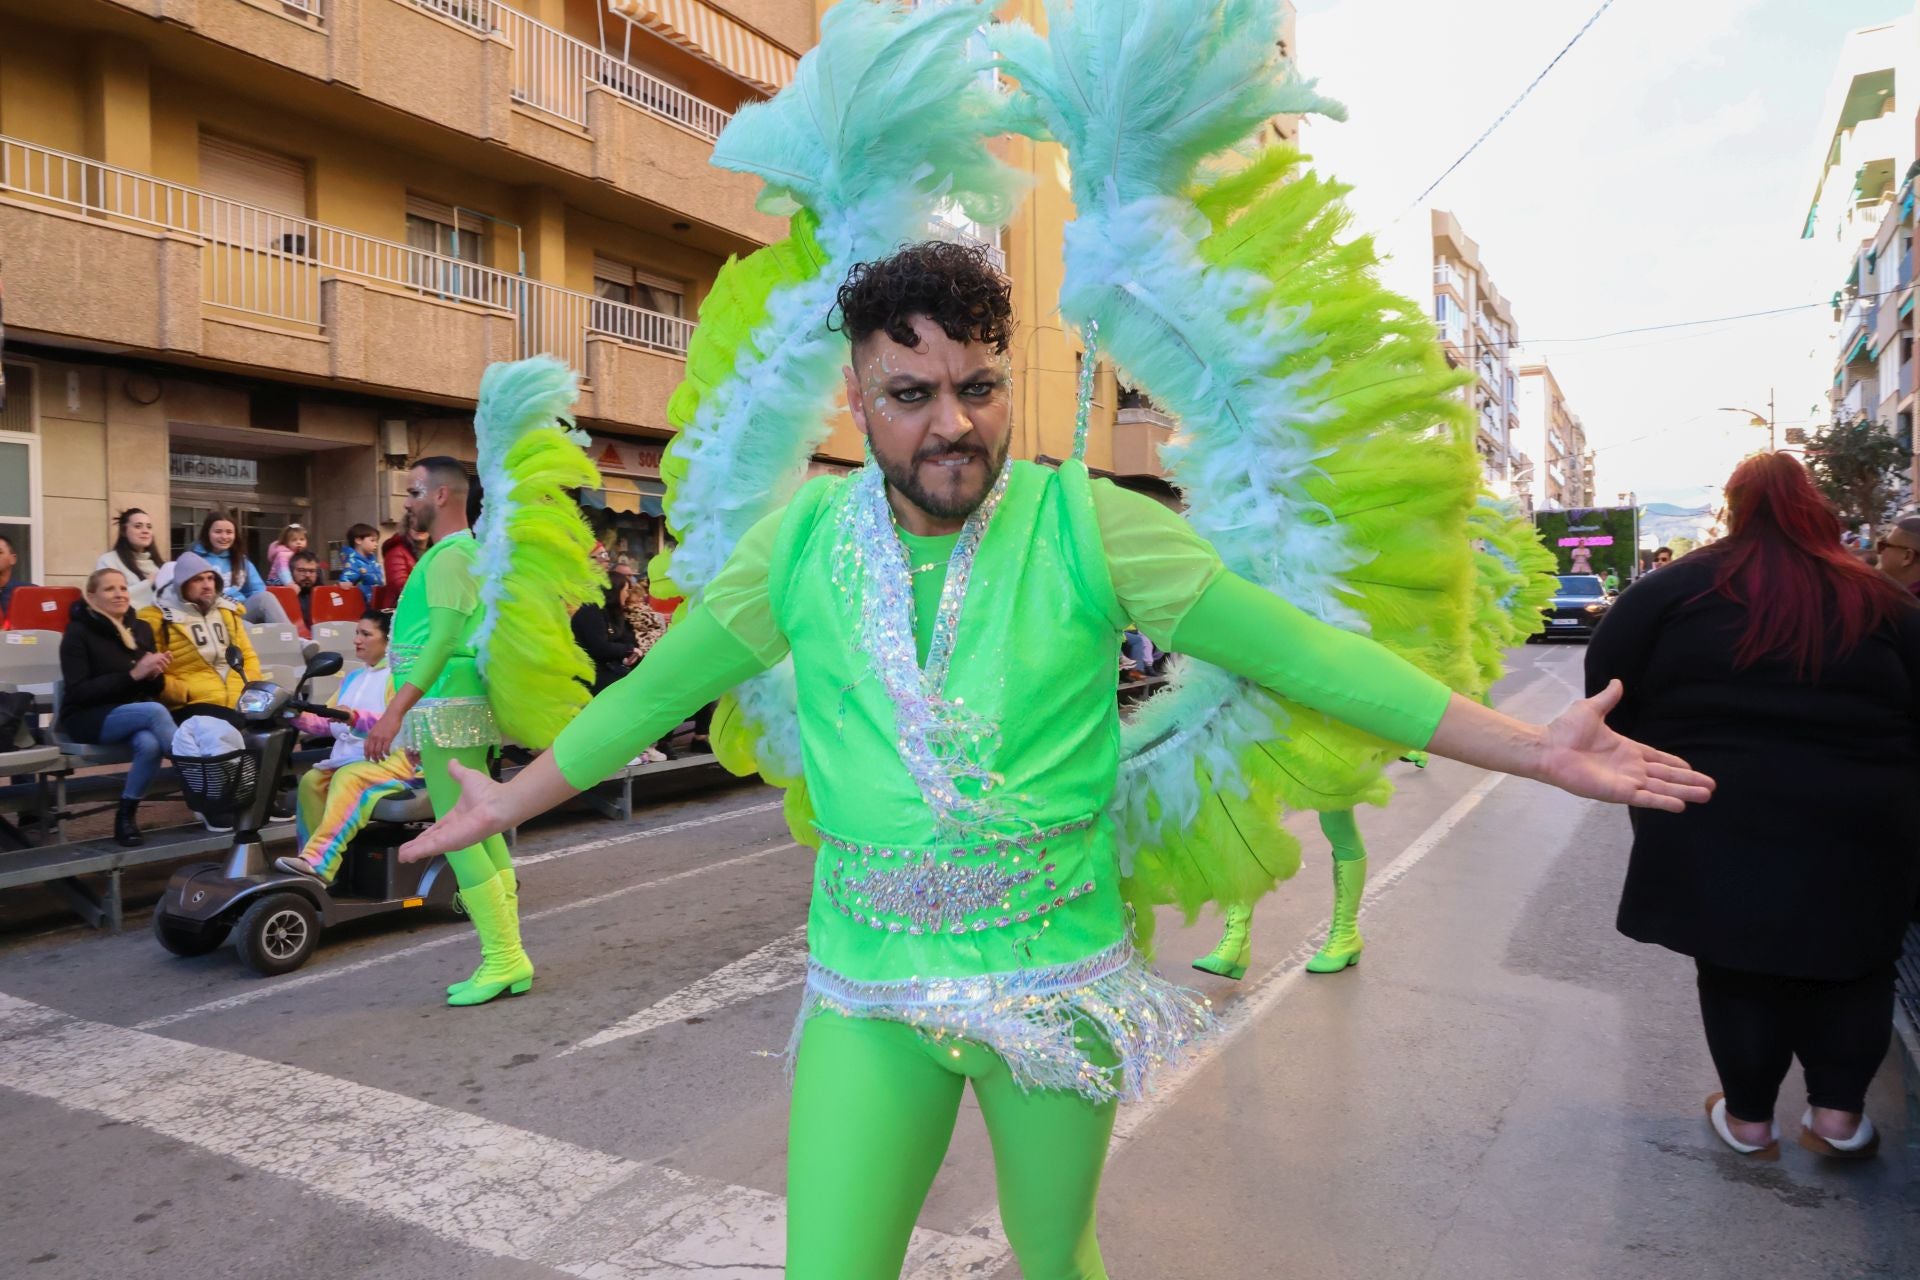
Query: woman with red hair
x: 1790, y: 672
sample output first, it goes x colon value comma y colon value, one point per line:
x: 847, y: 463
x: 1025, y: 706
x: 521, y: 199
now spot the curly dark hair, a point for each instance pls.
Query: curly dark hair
x: 954, y: 285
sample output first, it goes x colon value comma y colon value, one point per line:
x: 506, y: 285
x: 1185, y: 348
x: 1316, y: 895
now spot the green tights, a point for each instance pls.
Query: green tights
x: 475, y: 864
x: 874, y: 1105
x: 1343, y: 833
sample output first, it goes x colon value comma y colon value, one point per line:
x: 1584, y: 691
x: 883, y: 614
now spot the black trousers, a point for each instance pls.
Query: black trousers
x: 1757, y: 1024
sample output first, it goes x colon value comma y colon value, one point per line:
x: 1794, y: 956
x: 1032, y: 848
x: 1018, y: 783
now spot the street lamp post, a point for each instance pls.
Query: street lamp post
x: 1758, y: 421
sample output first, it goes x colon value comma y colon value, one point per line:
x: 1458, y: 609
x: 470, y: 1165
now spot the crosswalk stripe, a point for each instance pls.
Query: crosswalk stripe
x: 780, y: 964
x: 504, y: 1191
x: 281, y: 986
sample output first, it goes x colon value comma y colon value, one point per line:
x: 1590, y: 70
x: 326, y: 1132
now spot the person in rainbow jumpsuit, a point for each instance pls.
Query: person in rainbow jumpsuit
x: 952, y: 618
x: 337, y: 795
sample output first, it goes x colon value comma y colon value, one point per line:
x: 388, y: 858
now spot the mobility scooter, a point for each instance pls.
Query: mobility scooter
x: 275, y: 917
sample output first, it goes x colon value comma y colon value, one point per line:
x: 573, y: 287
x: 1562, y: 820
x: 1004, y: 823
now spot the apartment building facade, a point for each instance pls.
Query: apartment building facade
x: 1863, y: 208
x: 257, y: 254
x: 1478, y: 332
x: 1554, y: 441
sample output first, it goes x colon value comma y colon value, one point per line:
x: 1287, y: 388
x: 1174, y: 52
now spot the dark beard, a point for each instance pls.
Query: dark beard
x: 904, y: 477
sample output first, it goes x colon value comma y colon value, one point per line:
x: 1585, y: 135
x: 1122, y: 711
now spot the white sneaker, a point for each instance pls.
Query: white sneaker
x: 651, y: 756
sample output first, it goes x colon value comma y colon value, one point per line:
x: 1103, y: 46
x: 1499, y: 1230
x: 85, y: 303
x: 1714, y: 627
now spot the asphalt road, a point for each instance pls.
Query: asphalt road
x: 1504, y: 1089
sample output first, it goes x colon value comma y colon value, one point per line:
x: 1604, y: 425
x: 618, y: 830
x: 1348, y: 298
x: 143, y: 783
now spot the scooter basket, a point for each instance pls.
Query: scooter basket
x: 218, y: 788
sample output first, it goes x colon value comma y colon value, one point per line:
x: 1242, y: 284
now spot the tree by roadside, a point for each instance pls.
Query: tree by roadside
x: 1863, y: 467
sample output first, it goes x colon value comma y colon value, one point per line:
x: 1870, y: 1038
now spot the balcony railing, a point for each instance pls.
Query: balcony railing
x: 1445, y: 275
x: 270, y: 265
x: 553, y: 71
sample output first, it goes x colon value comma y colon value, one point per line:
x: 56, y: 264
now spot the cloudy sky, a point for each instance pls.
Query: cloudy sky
x: 1660, y: 174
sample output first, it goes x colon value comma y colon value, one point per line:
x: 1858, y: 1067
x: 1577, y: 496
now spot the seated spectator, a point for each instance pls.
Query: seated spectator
x: 360, y: 561
x: 111, y: 680
x: 280, y: 553
x: 605, y: 635
x: 305, y: 575
x: 206, y: 636
x: 136, y: 553
x: 337, y: 795
x: 399, y: 554
x: 240, y: 581
x: 648, y: 625
x: 11, y: 575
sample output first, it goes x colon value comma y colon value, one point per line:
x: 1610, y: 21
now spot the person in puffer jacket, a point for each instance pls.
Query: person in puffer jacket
x: 337, y: 796
x: 206, y: 635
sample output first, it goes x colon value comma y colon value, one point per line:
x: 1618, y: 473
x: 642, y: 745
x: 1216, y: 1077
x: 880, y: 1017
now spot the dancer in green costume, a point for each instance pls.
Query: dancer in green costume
x: 440, y: 709
x: 482, y: 650
x: 951, y: 620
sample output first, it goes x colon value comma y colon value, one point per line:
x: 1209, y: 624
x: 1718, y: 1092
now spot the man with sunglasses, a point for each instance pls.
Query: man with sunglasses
x: 1900, y: 553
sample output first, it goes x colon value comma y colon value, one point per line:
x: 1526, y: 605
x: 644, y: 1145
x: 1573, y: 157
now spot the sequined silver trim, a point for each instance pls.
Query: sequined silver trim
x: 449, y: 723
x: 919, y: 889
x: 942, y: 744
x: 1038, y: 1020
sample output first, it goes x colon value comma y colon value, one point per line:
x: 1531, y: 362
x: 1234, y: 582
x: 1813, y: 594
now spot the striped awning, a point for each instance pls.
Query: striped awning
x: 714, y: 37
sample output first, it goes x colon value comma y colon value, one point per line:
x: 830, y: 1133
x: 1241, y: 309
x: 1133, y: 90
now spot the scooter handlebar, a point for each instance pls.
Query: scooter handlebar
x: 325, y: 712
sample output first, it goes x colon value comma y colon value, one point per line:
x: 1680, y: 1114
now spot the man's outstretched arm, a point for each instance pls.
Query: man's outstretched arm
x: 696, y: 661
x: 1255, y: 634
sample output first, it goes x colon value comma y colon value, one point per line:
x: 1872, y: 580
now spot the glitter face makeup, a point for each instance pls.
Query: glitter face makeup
x: 937, y: 418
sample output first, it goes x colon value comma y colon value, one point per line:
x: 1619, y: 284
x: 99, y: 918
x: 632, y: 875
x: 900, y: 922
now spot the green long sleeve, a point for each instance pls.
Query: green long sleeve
x: 696, y: 661
x: 444, y: 628
x: 1255, y: 634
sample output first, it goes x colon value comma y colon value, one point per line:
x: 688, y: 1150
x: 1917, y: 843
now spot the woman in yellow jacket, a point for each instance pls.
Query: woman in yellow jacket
x: 212, y: 656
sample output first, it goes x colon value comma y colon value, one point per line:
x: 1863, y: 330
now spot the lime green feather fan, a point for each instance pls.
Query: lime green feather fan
x: 1383, y: 489
x: 536, y: 549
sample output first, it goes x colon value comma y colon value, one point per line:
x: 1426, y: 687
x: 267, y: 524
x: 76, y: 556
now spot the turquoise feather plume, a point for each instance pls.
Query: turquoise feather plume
x: 536, y: 549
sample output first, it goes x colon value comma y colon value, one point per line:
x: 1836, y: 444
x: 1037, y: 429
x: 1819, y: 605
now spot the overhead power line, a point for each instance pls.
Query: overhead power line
x: 1511, y: 107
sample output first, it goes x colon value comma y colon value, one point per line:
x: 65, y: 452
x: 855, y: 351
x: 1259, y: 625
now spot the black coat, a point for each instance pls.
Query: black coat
x: 97, y: 669
x: 605, y: 638
x: 1806, y: 861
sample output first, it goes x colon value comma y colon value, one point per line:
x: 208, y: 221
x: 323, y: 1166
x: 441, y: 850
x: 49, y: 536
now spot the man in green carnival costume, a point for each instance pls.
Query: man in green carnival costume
x: 952, y: 620
x: 440, y: 710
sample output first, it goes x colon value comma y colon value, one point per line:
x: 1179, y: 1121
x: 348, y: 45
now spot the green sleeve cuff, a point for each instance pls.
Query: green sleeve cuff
x: 1255, y: 634
x: 695, y: 662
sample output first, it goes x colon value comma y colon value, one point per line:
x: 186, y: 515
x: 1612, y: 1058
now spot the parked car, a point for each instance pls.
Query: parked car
x: 1579, y: 603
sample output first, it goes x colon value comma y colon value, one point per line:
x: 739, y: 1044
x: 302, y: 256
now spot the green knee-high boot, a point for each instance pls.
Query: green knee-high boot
x: 504, y: 967
x: 1230, y: 958
x: 1344, y: 943
x: 512, y: 886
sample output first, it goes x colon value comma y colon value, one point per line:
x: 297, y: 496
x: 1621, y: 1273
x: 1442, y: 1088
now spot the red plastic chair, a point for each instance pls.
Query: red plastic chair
x: 289, y: 598
x: 337, y: 604
x: 41, y: 608
x: 385, y: 598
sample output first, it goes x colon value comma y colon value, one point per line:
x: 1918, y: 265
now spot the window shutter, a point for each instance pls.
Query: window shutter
x: 249, y: 175
x: 614, y: 272
x: 445, y: 214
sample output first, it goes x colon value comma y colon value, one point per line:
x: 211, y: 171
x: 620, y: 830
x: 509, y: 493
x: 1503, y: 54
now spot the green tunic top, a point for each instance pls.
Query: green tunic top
x: 431, y: 648
x: 1013, y: 931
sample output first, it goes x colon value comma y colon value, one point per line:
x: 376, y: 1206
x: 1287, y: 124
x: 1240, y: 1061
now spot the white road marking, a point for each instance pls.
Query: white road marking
x: 472, y: 1182
x: 780, y: 964
x: 609, y: 842
x: 275, y: 987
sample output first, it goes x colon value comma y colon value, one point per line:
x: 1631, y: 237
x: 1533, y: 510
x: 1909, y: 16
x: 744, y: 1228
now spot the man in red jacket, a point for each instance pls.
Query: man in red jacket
x: 397, y: 556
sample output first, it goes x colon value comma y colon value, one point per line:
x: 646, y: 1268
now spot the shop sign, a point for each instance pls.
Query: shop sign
x: 195, y: 468
x: 625, y: 457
